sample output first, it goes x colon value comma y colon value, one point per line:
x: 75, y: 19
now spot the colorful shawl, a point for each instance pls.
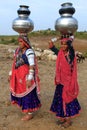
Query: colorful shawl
x: 18, y: 79
x: 67, y: 78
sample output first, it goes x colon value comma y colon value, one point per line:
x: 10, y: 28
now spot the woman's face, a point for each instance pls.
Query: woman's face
x: 64, y: 46
x: 21, y: 44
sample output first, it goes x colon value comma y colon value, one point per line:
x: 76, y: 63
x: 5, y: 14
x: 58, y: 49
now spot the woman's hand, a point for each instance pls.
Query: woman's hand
x: 56, y: 81
x: 9, y: 75
x: 51, y: 44
x: 9, y: 78
x: 28, y: 83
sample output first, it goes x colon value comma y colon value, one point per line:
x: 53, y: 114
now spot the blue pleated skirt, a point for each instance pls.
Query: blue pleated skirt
x: 72, y: 109
x: 28, y: 103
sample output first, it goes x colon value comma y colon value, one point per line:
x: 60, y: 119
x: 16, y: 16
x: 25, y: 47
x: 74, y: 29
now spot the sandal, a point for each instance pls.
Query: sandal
x: 60, y: 122
x: 66, y: 124
x: 27, y: 117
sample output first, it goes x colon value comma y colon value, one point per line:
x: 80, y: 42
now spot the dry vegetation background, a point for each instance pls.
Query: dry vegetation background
x: 10, y: 116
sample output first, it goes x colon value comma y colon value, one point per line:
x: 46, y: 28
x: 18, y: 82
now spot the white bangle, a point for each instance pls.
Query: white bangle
x: 30, y: 77
x: 10, y: 73
x: 31, y: 74
x: 54, y: 39
x: 30, y: 113
x: 31, y: 71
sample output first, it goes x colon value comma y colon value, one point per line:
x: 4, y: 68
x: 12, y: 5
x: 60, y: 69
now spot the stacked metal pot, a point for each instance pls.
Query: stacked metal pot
x: 66, y: 23
x: 23, y: 24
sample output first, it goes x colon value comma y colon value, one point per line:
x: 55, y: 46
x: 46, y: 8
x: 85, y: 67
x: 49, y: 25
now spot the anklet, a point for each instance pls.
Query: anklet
x: 30, y: 113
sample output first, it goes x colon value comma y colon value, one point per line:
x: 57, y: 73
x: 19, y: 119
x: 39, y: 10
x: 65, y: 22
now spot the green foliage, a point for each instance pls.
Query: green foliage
x: 8, y: 40
x: 48, y: 32
x: 81, y: 35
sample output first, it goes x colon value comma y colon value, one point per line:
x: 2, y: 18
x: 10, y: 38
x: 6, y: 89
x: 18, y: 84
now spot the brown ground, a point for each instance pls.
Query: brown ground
x: 10, y: 116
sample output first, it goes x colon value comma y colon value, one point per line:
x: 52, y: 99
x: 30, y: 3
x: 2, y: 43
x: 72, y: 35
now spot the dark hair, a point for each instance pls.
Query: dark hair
x: 71, y: 51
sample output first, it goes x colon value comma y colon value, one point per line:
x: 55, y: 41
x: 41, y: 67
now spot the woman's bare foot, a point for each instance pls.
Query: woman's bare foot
x: 27, y: 117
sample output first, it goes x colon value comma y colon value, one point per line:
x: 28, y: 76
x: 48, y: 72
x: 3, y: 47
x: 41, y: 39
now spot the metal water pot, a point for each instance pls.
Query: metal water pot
x: 23, y: 24
x: 66, y: 23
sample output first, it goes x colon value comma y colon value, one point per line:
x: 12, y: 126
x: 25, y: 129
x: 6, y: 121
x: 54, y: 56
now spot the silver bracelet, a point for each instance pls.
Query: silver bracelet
x: 31, y: 74
x: 54, y: 39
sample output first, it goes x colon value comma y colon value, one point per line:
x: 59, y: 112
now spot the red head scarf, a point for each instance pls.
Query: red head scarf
x: 65, y: 39
x: 67, y: 78
x: 25, y: 41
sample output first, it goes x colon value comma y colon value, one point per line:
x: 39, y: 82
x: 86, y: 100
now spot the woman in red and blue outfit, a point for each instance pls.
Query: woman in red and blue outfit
x: 24, y: 80
x: 65, y: 103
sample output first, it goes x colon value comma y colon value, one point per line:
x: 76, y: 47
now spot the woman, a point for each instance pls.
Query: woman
x: 65, y: 104
x: 24, y: 80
